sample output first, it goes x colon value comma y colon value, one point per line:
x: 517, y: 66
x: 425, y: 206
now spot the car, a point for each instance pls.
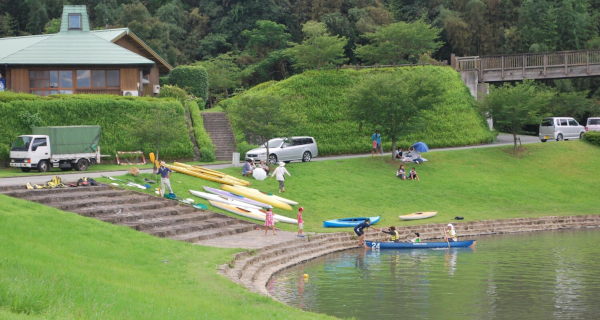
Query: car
x: 560, y: 128
x: 286, y: 150
x: 593, y: 124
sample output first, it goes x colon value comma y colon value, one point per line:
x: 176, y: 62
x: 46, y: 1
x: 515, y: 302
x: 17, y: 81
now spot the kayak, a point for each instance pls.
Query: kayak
x: 236, y: 197
x: 210, y: 177
x: 241, y: 211
x: 419, y: 245
x: 349, y: 222
x: 281, y: 218
x: 418, y: 215
x: 216, y: 175
x: 278, y: 198
x: 257, y: 196
x: 222, y: 199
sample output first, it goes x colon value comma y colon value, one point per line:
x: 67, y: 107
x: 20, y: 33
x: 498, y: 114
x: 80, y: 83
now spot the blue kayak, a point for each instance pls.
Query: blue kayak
x: 349, y: 222
x: 419, y: 245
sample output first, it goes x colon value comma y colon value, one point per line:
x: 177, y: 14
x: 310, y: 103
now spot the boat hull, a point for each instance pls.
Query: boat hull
x: 222, y: 199
x: 278, y: 198
x: 257, y: 196
x: 419, y: 245
x: 236, y: 197
x: 241, y: 211
x: 349, y: 222
x: 418, y: 215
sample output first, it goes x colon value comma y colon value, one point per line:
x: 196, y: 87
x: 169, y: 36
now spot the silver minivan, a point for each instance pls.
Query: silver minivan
x: 286, y: 149
x: 593, y: 124
x: 560, y: 128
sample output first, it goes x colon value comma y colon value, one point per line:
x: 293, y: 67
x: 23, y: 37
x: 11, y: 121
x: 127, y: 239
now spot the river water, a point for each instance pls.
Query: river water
x: 541, y: 275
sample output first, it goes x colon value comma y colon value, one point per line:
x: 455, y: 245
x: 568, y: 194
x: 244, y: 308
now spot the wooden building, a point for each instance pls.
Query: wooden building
x: 78, y: 60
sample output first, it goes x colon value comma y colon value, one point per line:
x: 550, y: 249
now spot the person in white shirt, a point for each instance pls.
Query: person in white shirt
x: 451, y: 234
x: 280, y: 173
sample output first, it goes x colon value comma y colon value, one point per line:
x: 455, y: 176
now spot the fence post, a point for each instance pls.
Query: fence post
x: 566, y: 71
x: 587, y: 62
x: 545, y: 63
x: 502, y: 68
x: 524, y: 61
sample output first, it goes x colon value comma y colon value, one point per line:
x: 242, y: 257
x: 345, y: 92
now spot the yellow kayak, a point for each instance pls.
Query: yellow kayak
x: 216, y: 174
x: 278, y: 198
x: 257, y: 196
x: 244, y: 212
x: 203, y: 176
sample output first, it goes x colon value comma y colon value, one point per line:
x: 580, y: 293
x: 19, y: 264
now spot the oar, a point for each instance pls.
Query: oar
x: 446, y: 234
x: 153, y: 160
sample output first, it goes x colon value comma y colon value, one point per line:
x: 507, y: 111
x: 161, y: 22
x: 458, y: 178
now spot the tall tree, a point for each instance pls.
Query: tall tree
x: 318, y: 49
x: 223, y: 76
x: 38, y: 17
x: 393, y: 101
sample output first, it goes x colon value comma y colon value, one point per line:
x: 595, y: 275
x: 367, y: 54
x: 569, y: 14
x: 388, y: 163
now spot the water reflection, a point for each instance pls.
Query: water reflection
x: 546, y: 275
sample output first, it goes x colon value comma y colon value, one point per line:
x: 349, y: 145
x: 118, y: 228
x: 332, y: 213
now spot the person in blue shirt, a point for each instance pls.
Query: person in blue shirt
x: 377, y: 139
x: 359, y: 232
x: 248, y: 167
x: 165, y: 174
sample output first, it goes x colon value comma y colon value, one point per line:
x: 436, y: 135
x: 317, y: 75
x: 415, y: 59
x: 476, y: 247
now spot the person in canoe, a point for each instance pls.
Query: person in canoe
x: 394, y: 235
x: 359, y: 230
x: 269, y: 221
x: 417, y: 239
x: 451, y: 233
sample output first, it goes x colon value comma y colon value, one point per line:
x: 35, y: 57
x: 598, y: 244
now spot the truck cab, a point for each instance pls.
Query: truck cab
x: 30, y: 151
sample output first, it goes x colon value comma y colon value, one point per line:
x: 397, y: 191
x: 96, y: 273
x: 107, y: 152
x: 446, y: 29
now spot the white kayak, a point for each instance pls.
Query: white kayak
x: 222, y: 199
x: 272, y: 196
x: 279, y: 217
x: 418, y: 215
x: 244, y: 212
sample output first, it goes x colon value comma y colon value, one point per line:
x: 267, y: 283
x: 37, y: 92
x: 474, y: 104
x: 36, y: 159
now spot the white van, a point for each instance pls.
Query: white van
x: 560, y: 128
x: 593, y: 124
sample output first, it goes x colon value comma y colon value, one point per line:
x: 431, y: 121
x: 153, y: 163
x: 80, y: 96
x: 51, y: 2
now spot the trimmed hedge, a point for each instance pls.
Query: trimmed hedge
x: 163, y: 81
x: 19, y: 111
x: 592, y: 137
x: 193, y: 79
x: 323, y: 97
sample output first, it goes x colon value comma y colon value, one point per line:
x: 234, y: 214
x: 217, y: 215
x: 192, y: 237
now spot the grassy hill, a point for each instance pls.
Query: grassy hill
x: 322, y: 96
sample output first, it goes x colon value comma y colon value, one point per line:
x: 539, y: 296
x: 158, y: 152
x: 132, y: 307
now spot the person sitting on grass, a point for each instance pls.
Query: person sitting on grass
x: 399, y: 153
x: 394, y: 235
x: 359, y: 232
x: 248, y: 167
x: 417, y: 239
x: 415, y: 156
x: 263, y: 166
x: 401, y: 174
x: 412, y: 175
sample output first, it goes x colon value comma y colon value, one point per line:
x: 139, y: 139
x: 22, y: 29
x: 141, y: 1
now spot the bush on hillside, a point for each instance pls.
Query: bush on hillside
x: 322, y: 97
x: 163, y: 81
x: 592, y: 137
x: 110, y: 112
x: 193, y: 79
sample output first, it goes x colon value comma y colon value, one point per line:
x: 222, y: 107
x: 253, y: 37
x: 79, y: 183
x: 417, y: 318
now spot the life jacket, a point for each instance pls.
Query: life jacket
x: 395, y: 236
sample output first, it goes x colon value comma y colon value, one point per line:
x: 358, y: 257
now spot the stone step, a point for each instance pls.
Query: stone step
x: 54, y: 198
x: 134, y: 216
x: 187, y: 228
x: 171, y: 220
x: 95, y: 202
x: 116, y: 208
x: 239, y: 227
x: 22, y: 191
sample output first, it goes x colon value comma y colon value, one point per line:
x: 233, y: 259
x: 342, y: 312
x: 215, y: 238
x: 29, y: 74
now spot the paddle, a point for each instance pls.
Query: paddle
x: 446, y: 234
x: 153, y: 160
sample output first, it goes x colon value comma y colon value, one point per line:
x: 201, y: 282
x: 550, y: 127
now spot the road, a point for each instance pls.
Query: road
x: 503, y: 140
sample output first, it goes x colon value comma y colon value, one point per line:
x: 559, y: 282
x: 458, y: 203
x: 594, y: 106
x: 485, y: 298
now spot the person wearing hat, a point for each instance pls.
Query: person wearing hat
x: 280, y: 173
x: 165, y: 174
x: 451, y: 235
x: 248, y: 167
x: 300, y: 222
x: 417, y: 239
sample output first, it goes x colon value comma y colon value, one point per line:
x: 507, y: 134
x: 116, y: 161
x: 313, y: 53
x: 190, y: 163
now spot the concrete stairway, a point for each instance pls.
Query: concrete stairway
x: 218, y: 128
x: 156, y: 216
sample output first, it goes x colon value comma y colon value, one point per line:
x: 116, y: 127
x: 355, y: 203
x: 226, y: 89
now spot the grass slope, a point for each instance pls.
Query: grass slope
x: 58, y: 265
x: 478, y: 184
x: 322, y: 96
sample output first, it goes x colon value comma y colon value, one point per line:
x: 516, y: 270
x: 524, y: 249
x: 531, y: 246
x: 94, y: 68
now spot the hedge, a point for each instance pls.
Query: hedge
x: 323, y: 97
x: 20, y: 111
x: 193, y: 79
x: 592, y: 137
x: 163, y: 81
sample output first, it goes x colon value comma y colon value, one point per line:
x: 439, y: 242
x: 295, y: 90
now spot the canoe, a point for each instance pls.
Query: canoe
x: 241, y: 211
x: 419, y: 245
x: 284, y: 200
x: 257, y: 196
x: 222, y: 199
x: 210, y: 177
x: 418, y: 215
x: 209, y: 172
x: 349, y: 222
x: 237, y: 197
x: 281, y: 218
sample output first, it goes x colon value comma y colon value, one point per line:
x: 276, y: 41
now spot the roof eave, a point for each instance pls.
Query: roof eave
x: 145, y: 46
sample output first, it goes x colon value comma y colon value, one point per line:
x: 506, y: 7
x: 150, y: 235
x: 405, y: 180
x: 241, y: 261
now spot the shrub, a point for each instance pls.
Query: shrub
x: 322, y: 96
x: 110, y: 112
x: 173, y: 92
x: 592, y: 137
x: 193, y: 79
x: 163, y: 81
x: 207, y: 148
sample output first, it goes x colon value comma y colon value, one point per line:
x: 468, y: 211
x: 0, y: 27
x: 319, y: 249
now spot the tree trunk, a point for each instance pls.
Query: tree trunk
x: 393, y: 147
x: 515, y: 139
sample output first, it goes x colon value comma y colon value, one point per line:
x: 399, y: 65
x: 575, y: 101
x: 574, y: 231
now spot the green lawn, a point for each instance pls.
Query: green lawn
x: 58, y: 265
x: 556, y: 178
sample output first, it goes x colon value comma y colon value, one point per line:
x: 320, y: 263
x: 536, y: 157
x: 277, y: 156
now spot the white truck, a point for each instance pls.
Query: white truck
x: 72, y: 147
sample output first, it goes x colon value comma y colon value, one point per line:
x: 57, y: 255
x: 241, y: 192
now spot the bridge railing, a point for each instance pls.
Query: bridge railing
x: 529, y: 61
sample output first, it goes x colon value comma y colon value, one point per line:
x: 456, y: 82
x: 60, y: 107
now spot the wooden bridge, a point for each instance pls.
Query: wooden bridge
x: 515, y: 67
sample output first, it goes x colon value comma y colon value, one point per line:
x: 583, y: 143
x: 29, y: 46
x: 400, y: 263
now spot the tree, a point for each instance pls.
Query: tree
x: 8, y: 26
x: 399, y: 42
x: 268, y: 36
x: 319, y: 48
x: 393, y: 101
x: 38, y: 17
x: 263, y: 117
x: 223, y: 75
x: 513, y: 106
x: 53, y: 26
x: 155, y: 129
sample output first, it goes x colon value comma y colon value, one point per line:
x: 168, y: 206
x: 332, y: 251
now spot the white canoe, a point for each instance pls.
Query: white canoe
x: 418, y: 215
x: 281, y: 218
x: 244, y: 212
x: 222, y: 199
x: 284, y: 200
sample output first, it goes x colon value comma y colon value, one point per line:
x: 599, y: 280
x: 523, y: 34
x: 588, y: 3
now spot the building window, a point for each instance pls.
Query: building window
x: 46, y: 82
x: 74, y: 21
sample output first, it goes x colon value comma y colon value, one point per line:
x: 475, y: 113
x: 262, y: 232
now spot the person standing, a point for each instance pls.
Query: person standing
x: 269, y: 221
x: 376, y: 138
x: 300, y: 222
x: 360, y: 233
x: 165, y: 175
x: 280, y: 173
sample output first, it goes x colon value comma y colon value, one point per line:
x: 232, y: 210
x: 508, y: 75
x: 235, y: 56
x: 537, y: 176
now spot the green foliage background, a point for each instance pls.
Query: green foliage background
x: 322, y: 97
x: 193, y: 79
x: 106, y: 111
x: 592, y: 137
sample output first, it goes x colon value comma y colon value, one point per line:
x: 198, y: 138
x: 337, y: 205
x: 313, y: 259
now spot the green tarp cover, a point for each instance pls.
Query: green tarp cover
x: 71, y: 139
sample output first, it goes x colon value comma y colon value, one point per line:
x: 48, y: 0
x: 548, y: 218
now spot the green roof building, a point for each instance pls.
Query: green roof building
x: 78, y: 60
